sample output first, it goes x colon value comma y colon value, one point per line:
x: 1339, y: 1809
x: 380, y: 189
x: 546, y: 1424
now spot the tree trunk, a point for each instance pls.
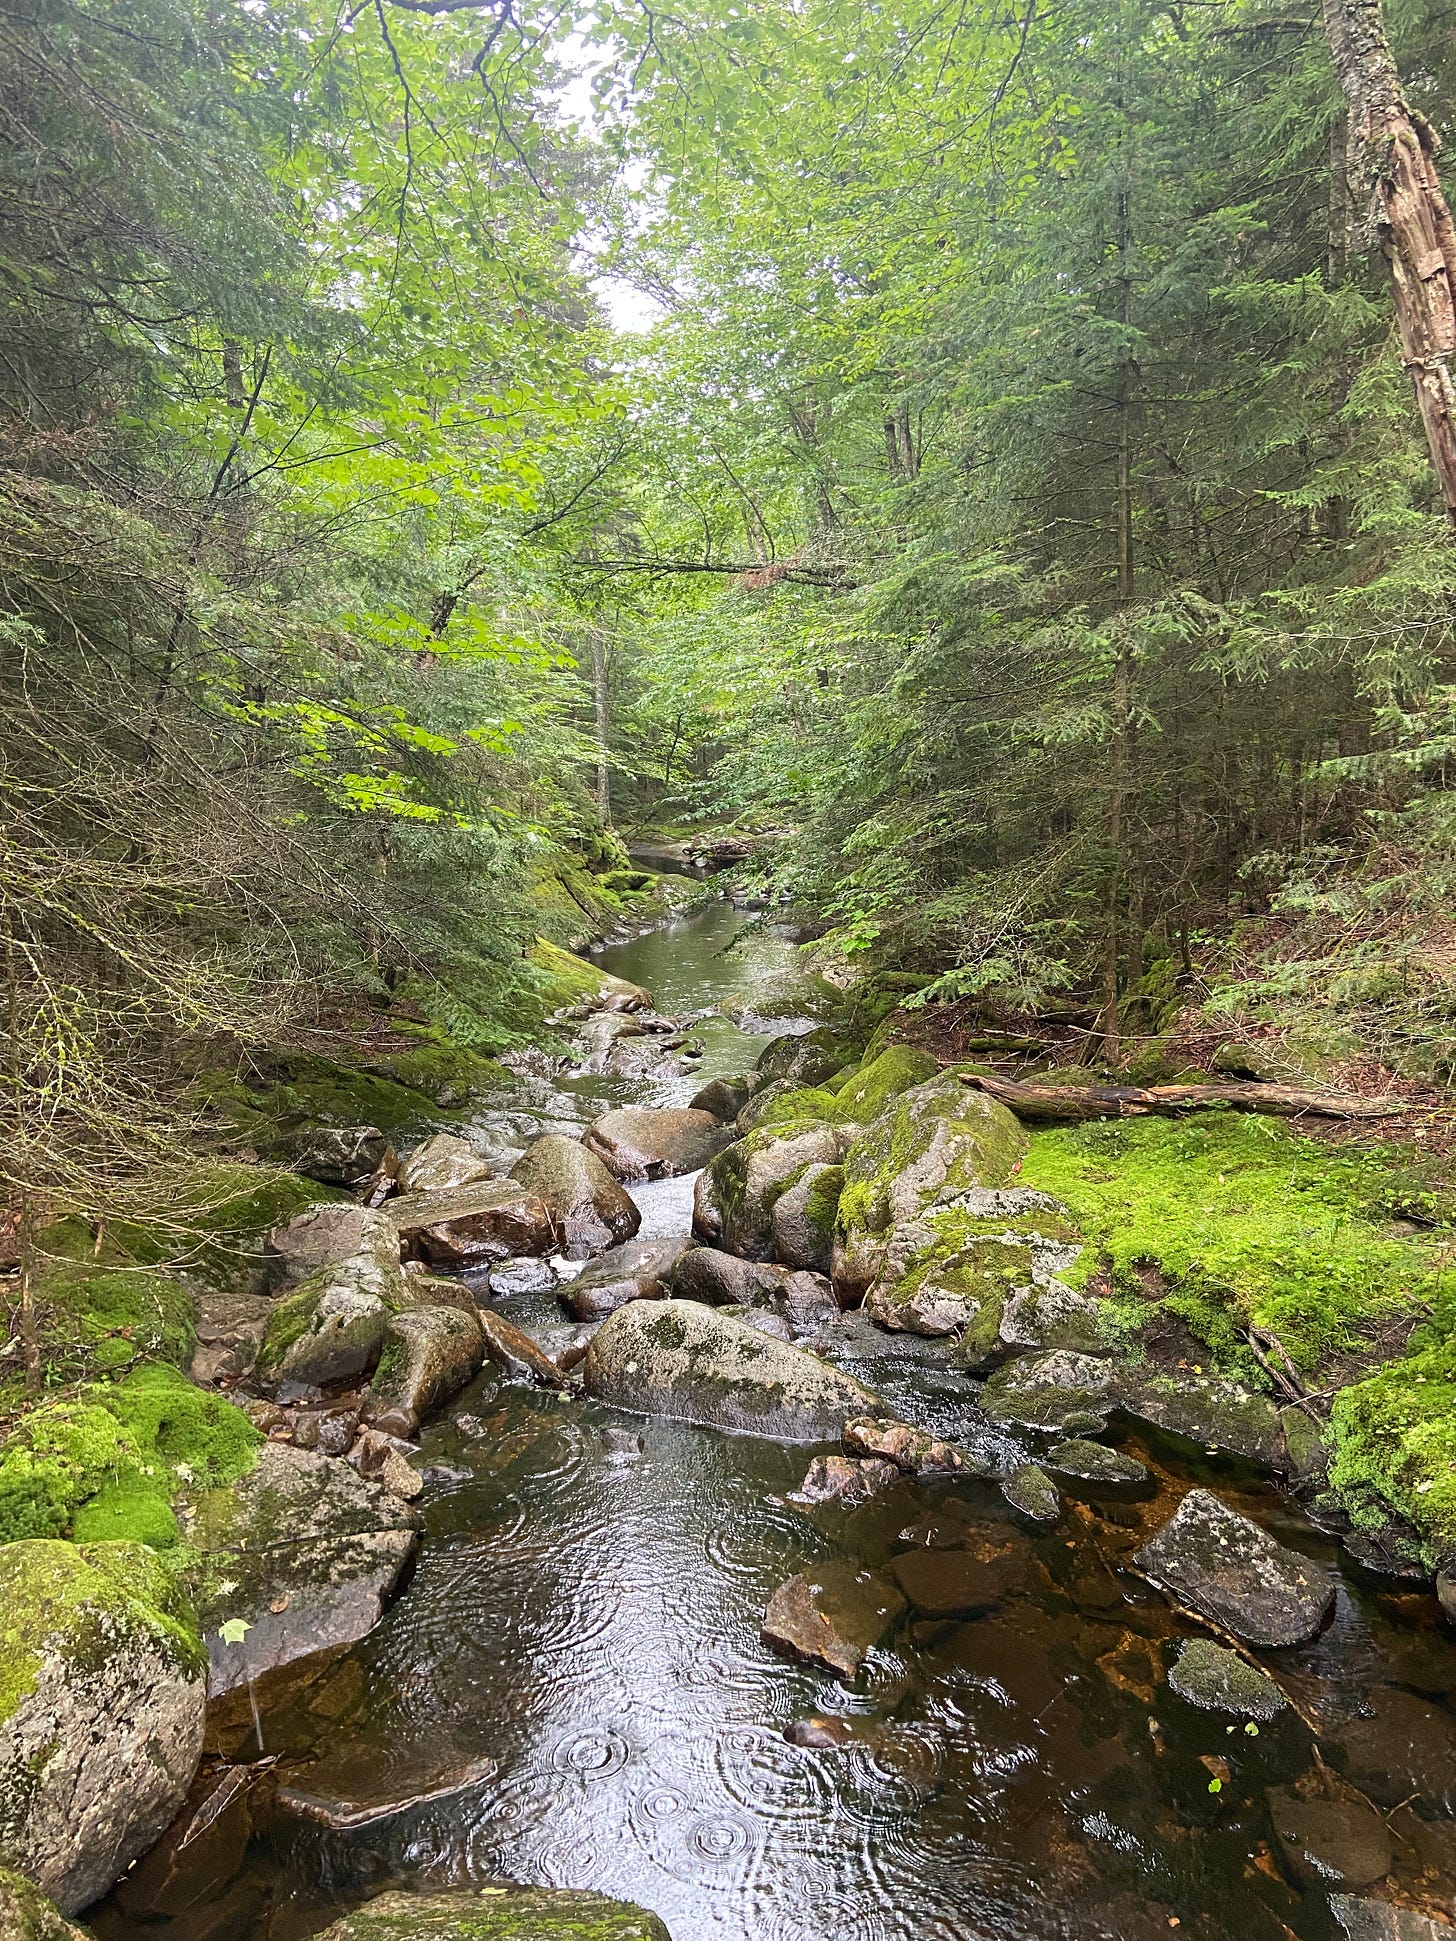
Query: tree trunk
x: 1393, y: 152
x: 1121, y: 708
x: 599, y: 697
x: 1073, y: 1104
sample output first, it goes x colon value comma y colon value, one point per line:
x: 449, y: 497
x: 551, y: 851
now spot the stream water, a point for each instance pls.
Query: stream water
x: 582, y: 1636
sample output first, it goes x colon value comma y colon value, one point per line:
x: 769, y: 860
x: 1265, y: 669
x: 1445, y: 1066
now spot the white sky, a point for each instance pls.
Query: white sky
x: 628, y: 309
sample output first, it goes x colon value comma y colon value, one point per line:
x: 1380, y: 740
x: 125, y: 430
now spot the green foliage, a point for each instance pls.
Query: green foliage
x: 1248, y: 1223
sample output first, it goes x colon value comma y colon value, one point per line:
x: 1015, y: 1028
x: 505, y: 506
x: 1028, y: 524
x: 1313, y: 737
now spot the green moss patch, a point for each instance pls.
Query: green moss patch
x: 866, y: 1094
x: 99, y: 1323
x: 1395, y: 1447
x: 110, y: 1460
x: 1245, y: 1221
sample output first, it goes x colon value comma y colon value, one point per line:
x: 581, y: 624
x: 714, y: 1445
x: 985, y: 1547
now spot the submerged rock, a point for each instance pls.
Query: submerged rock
x: 963, y: 1582
x: 351, y: 1787
x: 429, y: 1355
x: 469, y: 1226
x: 1098, y: 1467
x: 498, y: 1914
x: 512, y: 1349
x: 200, y: 1852
x: 584, y: 1199
x: 347, y: 1543
x: 1340, y: 1842
x: 655, y: 1142
x: 105, y: 1691
x: 1228, y: 1569
x: 1216, y: 1679
x: 832, y: 1615
x: 690, y: 1362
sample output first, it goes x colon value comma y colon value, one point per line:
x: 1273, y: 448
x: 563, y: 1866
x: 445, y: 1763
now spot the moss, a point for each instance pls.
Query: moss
x: 92, y: 1323
x: 130, y: 1444
x: 870, y: 1090
x: 1395, y: 1447
x: 498, y: 1914
x: 52, y: 1592
x: 289, y: 1318
x: 988, y: 1142
x: 821, y: 1209
x: 132, y: 1511
x: 810, y: 1102
x: 1246, y: 1222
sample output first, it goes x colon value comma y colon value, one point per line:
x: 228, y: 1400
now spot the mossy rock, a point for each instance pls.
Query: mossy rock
x: 563, y: 979
x: 98, y: 1323
x: 101, y: 1710
x: 498, y: 1914
x: 783, y: 1103
x: 109, y: 1461
x: 865, y: 1095
x: 27, y: 1915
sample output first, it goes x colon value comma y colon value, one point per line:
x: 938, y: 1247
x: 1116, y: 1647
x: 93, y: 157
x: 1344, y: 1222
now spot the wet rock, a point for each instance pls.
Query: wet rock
x: 321, y: 1236
x: 725, y: 1098
x: 341, y: 1155
x: 642, y: 1270
x: 26, y: 1914
x: 725, y: 1280
x: 684, y: 1360
x: 442, y: 1162
x: 1330, y: 1842
x: 498, y: 1914
x: 962, y: 1583
x: 842, y: 1479
x: 802, y: 1222
x: 1362, y: 1920
x: 331, y: 1328
x: 833, y: 1616
x: 350, y: 1788
x: 806, y: 1301
x: 1202, y: 1409
x: 1216, y: 1679
x: 200, y: 1852
x: 911, y: 1450
x: 764, y: 1320
x: 103, y: 1712
x: 1031, y: 1493
x: 1228, y: 1569
x: 347, y: 1545
x: 385, y: 1459
x: 734, y: 1199
x: 422, y: 1288
x: 1446, y: 1594
x: 1096, y: 1465
x: 1028, y: 1318
x: 1058, y: 1389
x: 583, y: 1198
x: 655, y: 1142
x: 474, y: 1225
x: 1307, y: 1453
x: 329, y: 1430
x: 512, y: 1349
x: 622, y: 1445
x: 231, y: 1324
x: 429, y: 1355
x: 522, y: 1276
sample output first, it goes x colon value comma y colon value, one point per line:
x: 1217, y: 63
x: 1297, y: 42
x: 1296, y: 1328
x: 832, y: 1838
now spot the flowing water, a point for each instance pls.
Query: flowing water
x: 581, y: 1642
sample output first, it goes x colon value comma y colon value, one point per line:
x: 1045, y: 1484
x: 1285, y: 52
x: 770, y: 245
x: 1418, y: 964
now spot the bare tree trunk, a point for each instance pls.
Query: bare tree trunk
x: 599, y: 696
x: 1393, y: 151
x: 1121, y: 708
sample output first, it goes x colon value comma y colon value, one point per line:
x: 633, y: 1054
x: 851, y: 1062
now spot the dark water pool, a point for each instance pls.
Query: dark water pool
x: 582, y: 1635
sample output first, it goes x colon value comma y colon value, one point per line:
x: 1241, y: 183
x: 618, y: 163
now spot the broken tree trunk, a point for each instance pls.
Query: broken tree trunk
x: 1070, y: 1104
x: 1392, y: 152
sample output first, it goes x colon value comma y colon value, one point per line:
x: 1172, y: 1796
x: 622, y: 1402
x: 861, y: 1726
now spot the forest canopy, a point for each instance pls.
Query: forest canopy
x: 1018, y: 523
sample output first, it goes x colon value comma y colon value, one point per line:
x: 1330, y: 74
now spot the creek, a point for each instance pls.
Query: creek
x: 573, y: 1691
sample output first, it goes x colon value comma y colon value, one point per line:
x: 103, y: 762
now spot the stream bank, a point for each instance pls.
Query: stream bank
x: 584, y: 1683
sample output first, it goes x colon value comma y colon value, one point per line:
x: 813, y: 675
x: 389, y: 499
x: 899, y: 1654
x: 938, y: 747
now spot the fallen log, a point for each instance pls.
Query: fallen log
x: 1072, y: 1104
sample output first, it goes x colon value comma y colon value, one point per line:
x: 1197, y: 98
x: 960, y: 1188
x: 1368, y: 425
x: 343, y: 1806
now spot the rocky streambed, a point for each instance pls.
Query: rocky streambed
x: 725, y: 1508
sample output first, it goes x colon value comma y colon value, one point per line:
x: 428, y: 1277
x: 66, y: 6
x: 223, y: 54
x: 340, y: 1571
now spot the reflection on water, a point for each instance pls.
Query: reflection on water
x: 580, y: 1645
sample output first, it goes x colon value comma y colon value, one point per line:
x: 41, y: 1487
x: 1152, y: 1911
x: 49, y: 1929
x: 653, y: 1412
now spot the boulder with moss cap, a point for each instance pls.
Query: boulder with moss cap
x: 102, y: 1694
x: 733, y: 1203
x: 498, y: 1914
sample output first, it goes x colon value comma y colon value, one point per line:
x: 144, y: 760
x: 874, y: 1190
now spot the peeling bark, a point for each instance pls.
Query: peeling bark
x: 1393, y: 161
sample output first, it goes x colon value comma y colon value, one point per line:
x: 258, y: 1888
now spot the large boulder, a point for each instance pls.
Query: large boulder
x: 734, y: 1200
x: 725, y: 1280
x: 655, y: 1142
x: 585, y: 1200
x: 443, y: 1161
x: 341, y: 1155
x: 263, y: 1603
x: 429, y: 1355
x: 931, y: 1143
x: 725, y: 1098
x: 802, y: 1221
x: 1219, y: 1564
x: 806, y: 1058
x: 332, y: 1328
x: 681, y: 1359
x: 103, y: 1700
x: 471, y: 1226
x: 498, y: 1914
x: 322, y: 1236
x: 640, y: 1270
